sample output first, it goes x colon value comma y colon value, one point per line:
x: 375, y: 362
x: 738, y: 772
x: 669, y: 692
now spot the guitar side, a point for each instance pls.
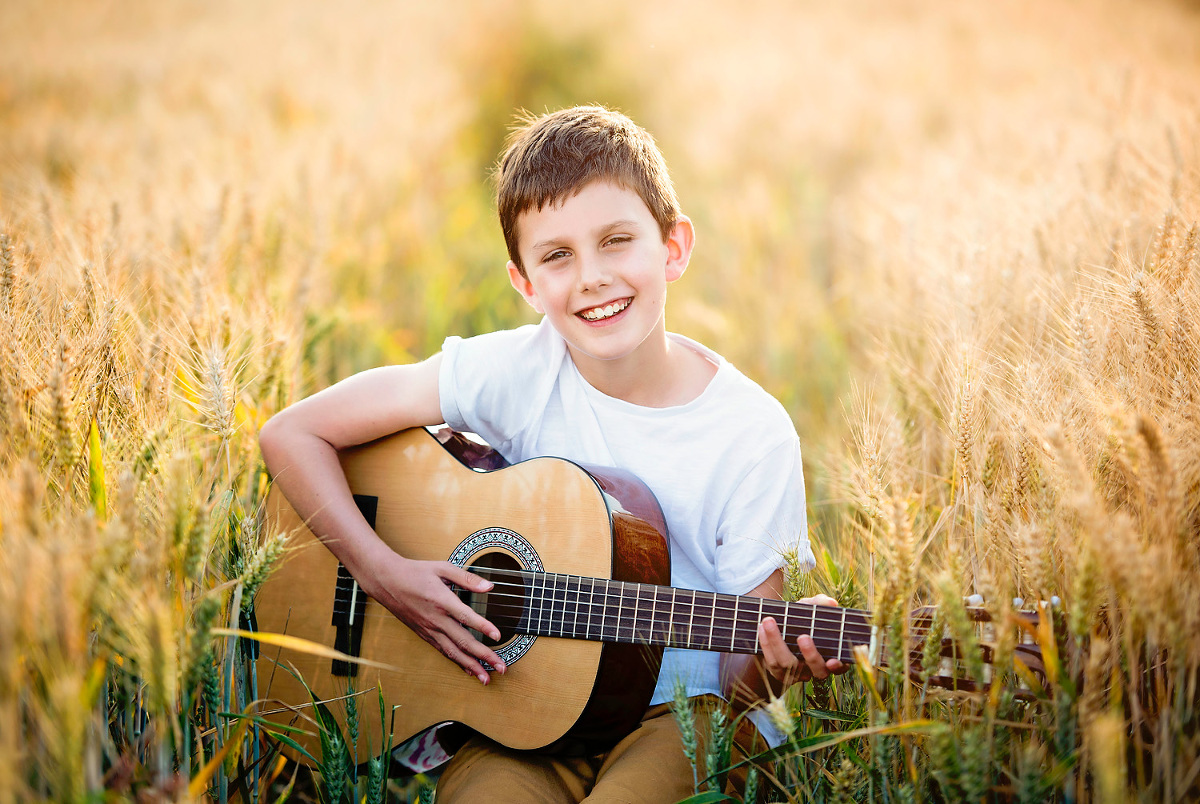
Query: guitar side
x: 425, y: 502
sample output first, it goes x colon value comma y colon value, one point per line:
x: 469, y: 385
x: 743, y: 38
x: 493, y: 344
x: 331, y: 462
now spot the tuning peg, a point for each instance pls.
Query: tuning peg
x: 973, y: 600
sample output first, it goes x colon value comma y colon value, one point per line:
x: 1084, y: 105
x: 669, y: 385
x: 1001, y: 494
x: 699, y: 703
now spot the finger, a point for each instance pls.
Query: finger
x: 467, y: 580
x: 821, y: 600
x: 460, y: 611
x: 781, y: 662
x: 467, y: 643
x: 469, y: 654
x: 813, y: 661
x: 467, y: 617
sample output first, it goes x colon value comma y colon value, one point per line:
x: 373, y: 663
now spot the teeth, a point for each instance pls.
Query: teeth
x: 600, y: 313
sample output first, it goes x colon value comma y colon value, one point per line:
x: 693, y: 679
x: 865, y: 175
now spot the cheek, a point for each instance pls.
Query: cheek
x: 552, y: 293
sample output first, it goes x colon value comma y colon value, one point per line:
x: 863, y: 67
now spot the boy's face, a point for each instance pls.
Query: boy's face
x: 597, y: 267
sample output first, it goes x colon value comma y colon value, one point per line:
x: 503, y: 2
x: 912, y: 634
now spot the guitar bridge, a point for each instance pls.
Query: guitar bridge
x: 350, y: 603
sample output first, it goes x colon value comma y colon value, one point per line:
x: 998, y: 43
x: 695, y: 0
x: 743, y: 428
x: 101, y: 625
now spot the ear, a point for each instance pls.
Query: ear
x: 522, y: 285
x: 679, y: 247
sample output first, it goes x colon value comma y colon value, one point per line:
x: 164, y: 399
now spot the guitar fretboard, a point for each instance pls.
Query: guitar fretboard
x: 598, y: 609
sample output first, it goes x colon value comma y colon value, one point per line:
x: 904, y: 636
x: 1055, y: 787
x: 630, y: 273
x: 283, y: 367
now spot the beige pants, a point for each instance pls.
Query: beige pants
x: 647, y: 767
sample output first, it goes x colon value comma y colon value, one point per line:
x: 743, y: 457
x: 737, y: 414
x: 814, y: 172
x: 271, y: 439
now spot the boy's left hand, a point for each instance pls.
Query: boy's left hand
x: 782, y: 662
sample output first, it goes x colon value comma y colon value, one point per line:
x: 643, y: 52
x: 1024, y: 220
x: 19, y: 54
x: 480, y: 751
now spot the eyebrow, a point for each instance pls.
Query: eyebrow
x: 603, y: 230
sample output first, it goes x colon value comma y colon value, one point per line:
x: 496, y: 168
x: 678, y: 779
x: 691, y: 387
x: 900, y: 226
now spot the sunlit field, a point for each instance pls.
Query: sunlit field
x: 958, y: 241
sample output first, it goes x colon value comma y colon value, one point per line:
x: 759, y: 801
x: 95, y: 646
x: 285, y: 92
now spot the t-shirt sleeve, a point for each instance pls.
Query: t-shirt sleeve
x: 493, y: 384
x: 764, y: 522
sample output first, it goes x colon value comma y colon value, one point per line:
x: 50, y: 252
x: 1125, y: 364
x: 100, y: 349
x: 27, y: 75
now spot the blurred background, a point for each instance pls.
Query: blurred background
x: 840, y: 160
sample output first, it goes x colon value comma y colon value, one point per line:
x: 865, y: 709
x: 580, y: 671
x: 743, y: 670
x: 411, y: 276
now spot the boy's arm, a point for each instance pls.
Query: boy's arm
x: 300, y: 446
x: 745, y: 678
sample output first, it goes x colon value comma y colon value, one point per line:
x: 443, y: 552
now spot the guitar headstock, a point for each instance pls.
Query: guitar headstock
x: 932, y: 641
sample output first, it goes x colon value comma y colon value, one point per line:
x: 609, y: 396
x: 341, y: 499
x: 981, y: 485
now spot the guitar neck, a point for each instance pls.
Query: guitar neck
x: 598, y: 609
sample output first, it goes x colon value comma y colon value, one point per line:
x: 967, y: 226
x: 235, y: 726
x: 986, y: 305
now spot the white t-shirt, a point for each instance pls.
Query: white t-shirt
x: 724, y: 467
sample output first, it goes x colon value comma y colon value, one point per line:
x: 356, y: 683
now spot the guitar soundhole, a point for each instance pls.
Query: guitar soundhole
x: 504, y: 604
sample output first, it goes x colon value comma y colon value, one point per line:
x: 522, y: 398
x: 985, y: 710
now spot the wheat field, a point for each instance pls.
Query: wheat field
x: 959, y: 242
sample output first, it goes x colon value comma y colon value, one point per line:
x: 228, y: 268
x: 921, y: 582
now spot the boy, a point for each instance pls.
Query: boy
x: 594, y: 235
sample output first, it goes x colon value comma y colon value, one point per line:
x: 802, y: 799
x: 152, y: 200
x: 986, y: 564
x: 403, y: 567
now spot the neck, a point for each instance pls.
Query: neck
x: 659, y: 374
x: 549, y: 604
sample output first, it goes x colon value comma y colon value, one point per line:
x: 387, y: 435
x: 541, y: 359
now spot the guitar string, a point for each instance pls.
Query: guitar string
x: 727, y: 629
x: 828, y: 645
x: 828, y: 620
x: 825, y: 642
x: 826, y: 615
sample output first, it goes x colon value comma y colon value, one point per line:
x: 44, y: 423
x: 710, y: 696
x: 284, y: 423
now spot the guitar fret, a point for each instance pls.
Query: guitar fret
x: 575, y: 618
x: 612, y: 622
x: 636, y: 600
x: 543, y: 619
x: 602, y: 609
x: 648, y: 619
x: 560, y: 596
x: 561, y: 604
x: 591, y: 615
x: 671, y: 634
x: 579, y: 608
x: 733, y: 631
x: 535, y: 611
x: 535, y: 604
x: 841, y: 635
x: 574, y: 586
x: 761, y: 602
x: 655, y: 636
x: 621, y: 607
x: 624, y: 630
x: 691, y: 621
x: 654, y: 623
x: 712, y: 621
x: 688, y: 631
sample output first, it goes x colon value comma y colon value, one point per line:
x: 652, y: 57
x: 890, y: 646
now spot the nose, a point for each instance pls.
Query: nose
x: 593, y: 273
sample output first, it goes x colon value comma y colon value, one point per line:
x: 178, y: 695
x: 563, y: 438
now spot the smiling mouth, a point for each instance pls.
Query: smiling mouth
x: 607, y: 311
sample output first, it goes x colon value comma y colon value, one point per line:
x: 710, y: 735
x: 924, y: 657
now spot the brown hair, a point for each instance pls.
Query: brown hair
x: 556, y: 155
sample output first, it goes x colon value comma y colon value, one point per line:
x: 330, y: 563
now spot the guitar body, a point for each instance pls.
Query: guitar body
x: 426, y: 501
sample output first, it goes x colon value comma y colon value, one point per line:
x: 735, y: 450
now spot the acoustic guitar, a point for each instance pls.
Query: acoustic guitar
x: 581, y: 568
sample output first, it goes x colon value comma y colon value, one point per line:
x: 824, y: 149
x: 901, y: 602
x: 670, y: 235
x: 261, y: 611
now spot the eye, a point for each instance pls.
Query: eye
x: 557, y: 254
x: 617, y: 240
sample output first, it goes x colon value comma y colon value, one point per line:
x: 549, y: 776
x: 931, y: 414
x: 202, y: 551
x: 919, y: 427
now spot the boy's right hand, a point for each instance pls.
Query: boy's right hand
x: 363, y: 408
x: 419, y: 595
